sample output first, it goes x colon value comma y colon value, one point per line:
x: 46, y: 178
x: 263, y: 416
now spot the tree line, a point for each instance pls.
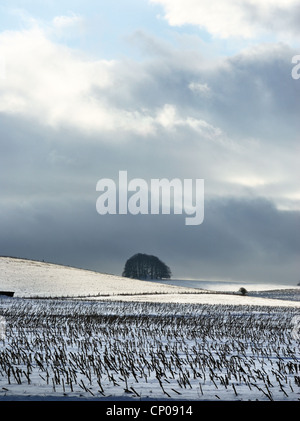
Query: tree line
x: 144, y: 266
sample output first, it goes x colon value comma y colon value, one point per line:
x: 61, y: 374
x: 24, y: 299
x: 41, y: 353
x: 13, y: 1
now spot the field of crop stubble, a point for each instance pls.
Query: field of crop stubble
x: 148, y: 350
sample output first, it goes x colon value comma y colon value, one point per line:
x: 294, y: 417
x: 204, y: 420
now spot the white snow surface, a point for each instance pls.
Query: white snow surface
x: 28, y: 278
x: 213, y: 299
x: 136, y: 340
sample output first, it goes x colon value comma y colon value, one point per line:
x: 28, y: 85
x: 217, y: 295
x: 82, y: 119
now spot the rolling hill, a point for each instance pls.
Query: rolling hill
x: 31, y: 279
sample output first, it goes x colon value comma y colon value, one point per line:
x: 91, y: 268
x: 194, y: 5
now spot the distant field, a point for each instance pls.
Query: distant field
x: 38, y: 279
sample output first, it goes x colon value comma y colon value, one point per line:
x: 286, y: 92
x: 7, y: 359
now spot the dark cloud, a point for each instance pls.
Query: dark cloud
x: 279, y: 19
x: 233, y: 122
x: 247, y: 94
x: 239, y: 239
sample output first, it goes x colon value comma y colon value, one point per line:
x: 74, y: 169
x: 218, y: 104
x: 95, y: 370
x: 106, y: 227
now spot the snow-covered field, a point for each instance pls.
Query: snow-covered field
x: 29, y: 278
x: 38, y: 279
x: 142, y: 340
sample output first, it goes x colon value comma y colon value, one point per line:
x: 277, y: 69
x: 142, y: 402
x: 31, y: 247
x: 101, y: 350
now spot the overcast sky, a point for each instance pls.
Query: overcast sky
x: 182, y: 89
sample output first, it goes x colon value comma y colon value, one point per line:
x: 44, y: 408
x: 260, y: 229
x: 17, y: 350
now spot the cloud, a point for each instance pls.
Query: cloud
x: 247, y: 240
x: 67, y: 120
x: 200, y: 88
x: 66, y: 22
x: 230, y: 18
x: 237, y: 115
x: 54, y: 85
x: 72, y: 29
x: 59, y: 88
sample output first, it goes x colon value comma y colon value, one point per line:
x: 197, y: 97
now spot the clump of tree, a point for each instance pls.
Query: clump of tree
x: 243, y: 291
x: 144, y: 266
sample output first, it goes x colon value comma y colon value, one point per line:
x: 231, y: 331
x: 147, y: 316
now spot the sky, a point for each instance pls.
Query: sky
x: 182, y: 89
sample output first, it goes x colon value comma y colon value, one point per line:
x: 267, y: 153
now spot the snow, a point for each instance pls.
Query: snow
x: 30, y: 278
x: 135, y: 340
x: 119, y: 350
x: 207, y: 298
x: 227, y: 286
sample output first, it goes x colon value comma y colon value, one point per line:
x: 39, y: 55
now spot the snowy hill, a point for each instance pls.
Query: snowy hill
x: 28, y: 278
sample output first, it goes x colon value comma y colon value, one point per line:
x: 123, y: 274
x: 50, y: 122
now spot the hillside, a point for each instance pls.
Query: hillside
x: 28, y: 278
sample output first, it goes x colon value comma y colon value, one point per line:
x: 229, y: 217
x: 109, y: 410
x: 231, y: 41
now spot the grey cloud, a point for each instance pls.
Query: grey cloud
x: 245, y: 18
x: 242, y: 240
x: 49, y: 176
x: 250, y: 94
x: 279, y: 19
